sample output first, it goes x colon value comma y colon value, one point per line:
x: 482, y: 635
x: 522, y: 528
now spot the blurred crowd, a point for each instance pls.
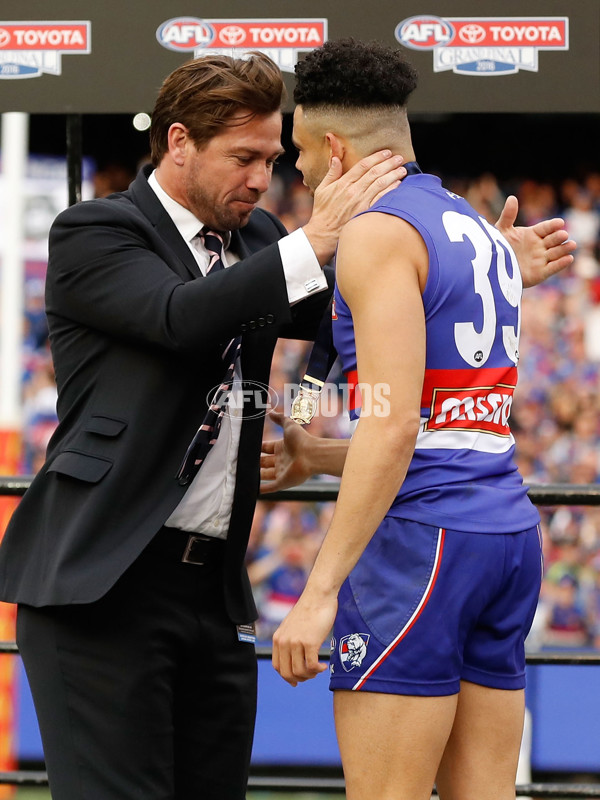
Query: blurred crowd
x: 555, y: 415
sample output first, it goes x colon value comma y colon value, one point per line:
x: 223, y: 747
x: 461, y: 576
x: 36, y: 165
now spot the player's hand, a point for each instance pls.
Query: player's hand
x: 297, y: 641
x: 542, y: 249
x: 284, y: 462
x: 339, y: 197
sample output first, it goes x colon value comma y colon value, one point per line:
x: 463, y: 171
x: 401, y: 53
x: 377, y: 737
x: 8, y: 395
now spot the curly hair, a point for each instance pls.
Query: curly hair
x: 205, y: 93
x: 354, y: 74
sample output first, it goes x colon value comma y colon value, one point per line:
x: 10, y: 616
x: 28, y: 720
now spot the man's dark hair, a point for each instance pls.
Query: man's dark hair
x: 204, y: 94
x: 354, y: 74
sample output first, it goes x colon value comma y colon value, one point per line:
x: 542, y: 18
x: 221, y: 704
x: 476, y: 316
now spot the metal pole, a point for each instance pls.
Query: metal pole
x: 15, y: 128
x: 74, y: 156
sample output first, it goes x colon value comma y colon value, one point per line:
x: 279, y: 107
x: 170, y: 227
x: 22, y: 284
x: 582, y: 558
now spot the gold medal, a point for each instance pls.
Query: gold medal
x: 304, y: 406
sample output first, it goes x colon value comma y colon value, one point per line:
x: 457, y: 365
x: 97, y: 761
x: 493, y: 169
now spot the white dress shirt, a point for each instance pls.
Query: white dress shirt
x: 206, y: 506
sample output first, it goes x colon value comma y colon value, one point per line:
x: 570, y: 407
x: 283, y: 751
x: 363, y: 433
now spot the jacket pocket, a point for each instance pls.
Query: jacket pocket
x: 82, y: 466
x: 105, y: 426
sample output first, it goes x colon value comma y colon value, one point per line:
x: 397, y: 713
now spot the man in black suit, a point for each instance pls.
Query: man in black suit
x: 135, y: 611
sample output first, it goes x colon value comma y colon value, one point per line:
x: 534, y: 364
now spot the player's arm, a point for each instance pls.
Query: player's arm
x: 542, y: 250
x: 381, y: 269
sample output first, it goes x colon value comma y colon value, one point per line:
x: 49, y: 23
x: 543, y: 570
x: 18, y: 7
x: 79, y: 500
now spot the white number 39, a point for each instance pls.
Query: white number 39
x: 475, y: 346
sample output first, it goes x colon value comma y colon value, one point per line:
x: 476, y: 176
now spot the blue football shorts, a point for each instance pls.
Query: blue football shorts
x: 427, y: 607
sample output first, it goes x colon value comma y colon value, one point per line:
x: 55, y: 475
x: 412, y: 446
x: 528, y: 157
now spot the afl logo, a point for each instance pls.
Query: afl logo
x: 424, y: 33
x: 250, y: 399
x: 185, y: 33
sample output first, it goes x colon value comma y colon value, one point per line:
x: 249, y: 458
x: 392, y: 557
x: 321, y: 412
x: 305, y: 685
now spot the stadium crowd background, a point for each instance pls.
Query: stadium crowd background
x: 555, y: 414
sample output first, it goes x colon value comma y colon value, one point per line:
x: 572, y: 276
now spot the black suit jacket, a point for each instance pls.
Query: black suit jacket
x: 136, y: 335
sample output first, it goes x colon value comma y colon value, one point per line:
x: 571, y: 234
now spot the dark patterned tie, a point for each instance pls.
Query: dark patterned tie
x: 213, y: 243
x: 207, y: 433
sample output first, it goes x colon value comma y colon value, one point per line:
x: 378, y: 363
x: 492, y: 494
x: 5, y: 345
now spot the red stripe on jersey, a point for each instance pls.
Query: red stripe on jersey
x: 354, y: 396
x: 476, y: 400
x: 465, y: 379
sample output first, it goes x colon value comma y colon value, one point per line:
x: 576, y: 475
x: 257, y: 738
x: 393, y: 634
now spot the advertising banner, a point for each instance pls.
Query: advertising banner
x: 533, y: 56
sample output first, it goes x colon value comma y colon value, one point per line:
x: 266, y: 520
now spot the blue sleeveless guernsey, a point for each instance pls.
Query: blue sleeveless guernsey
x: 462, y: 474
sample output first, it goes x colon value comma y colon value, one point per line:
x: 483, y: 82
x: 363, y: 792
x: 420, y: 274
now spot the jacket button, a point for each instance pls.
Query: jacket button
x: 243, y: 327
x: 262, y: 322
x: 270, y: 319
x: 252, y: 324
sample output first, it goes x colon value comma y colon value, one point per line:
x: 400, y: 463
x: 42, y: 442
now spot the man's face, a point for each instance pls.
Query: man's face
x: 224, y: 180
x: 313, y: 151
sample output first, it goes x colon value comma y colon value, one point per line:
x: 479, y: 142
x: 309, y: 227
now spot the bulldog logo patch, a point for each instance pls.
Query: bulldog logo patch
x: 353, y: 649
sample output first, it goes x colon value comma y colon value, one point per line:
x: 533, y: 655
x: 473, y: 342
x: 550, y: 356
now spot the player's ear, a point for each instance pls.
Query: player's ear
x: 336, y: 146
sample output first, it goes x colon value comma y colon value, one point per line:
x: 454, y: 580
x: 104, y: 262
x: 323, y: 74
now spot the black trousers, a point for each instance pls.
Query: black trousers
x: 146, y: 694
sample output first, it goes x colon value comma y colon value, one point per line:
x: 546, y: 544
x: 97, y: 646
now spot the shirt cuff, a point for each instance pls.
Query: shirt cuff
x: 301, y: 268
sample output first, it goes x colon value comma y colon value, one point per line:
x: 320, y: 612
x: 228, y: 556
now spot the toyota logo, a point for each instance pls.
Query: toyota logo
x: 4, y: 37
x: 472, y: 33
x: 232, y: 35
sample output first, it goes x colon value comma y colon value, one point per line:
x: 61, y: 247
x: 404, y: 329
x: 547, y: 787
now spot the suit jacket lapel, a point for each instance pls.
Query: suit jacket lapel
x: 239, y: 246
x: 146, y: 200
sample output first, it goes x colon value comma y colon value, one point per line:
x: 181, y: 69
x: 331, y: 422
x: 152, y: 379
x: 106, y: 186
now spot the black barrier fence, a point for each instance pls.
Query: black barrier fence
x: 307, y: 780
x: 550, y: 494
